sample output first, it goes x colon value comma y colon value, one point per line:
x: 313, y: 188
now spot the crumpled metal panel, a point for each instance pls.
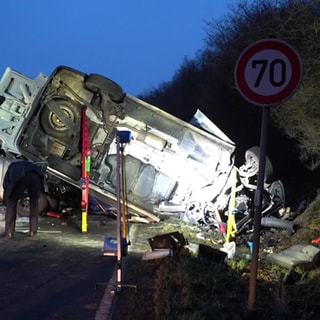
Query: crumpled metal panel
x: 294, y: 256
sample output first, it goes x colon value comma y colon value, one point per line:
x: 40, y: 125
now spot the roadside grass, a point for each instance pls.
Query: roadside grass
x: 189, y: 288
x: 192, y: 289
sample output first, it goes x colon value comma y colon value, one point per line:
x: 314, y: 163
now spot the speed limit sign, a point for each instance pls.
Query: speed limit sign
x: 268, y: 72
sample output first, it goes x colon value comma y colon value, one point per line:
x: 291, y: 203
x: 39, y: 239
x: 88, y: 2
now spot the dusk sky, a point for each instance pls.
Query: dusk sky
x: 137, y: 43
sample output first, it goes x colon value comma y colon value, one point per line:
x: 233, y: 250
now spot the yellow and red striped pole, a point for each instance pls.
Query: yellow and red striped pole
x: 86, y: 164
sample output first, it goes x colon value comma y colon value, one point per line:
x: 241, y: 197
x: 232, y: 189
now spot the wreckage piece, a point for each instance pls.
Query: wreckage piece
x: 172, y: 244
x: 157, y: 254
x: 316, y: 241
x: 110, y: 247
x: 173, y: 240
x: 229, y: 248
x: 215, y: 255
x: 306, y: 256
x: 278, y: 223
x: 165, y: 245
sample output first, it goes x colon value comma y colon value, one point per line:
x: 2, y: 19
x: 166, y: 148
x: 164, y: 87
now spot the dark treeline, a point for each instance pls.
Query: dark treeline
x: 207, y: 82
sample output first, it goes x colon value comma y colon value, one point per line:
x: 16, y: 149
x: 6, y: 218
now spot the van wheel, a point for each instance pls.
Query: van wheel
x: 251, y: 166
x: 63, y: 125
x: 104, y: 86
x: 277, y: 193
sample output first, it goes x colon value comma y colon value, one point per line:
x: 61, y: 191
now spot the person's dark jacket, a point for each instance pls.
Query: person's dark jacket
x: 15, y: 172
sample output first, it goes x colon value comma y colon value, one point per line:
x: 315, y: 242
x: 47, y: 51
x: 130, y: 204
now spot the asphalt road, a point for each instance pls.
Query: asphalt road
x: 54, y: 275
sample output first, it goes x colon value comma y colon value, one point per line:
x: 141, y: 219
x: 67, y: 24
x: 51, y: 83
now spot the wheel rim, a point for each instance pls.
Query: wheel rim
x: 56, y: 123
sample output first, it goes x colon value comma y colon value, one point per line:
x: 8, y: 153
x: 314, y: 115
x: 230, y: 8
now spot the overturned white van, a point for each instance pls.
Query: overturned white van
x: 171, y: 166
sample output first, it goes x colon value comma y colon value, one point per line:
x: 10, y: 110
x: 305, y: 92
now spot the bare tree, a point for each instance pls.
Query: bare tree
x: 296, y: 22
x: 207, y: 82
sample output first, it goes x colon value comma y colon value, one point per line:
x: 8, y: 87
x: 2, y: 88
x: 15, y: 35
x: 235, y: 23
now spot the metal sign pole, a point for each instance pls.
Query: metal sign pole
x: 267, y: 72
x: 258, y: 208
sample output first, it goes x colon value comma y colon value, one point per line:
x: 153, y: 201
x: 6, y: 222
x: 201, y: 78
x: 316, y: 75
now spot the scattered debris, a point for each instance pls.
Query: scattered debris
x: 212, y: 254
x: 297, y: 255
x: 110, y: 247
x: 316, y: 241
x: 174, y: 244
x: 174, y: 241
x: 57, y: 215
x: 38, y: 231
x: 157, y: 254
x: 230, y: 249
x: 305, y: 256
x: 166, y: 245
x: 278, y: 223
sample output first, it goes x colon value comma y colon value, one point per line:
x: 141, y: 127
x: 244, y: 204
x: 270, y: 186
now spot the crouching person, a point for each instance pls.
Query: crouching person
x: 22, y: 176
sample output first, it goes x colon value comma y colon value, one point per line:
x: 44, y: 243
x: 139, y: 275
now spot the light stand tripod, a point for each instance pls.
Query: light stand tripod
x: 122, y: 137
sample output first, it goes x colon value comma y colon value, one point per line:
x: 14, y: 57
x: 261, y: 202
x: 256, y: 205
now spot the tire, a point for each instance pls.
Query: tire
x: 251, y: 166
x: 53, y: 126
x: 98, y: 83
x: 277, y: 193
x: 23, y: 206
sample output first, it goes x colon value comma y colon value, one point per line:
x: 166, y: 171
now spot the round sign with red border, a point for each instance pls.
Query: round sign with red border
x: 268, y: 72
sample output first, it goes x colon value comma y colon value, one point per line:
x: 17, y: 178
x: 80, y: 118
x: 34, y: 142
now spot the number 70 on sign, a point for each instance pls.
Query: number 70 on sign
x: 268, y: 72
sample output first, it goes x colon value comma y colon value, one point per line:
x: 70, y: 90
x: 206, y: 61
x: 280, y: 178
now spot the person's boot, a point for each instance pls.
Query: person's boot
x: 32, y: 233
x: 7, y: 235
